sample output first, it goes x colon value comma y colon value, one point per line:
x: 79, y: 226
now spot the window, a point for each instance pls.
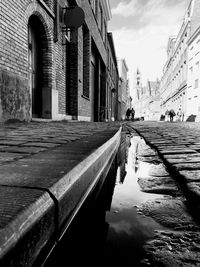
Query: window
x: 102, y: 22
x: 197, y: 65
x: 196, y: 83
x: 100, y: 18
x: 86, y: 61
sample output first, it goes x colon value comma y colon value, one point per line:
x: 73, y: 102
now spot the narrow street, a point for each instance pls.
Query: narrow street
x: 144, y: 216
x: 99, y: 133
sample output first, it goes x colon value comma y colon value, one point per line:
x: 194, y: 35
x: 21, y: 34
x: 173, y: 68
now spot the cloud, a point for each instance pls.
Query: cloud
x: 125, y: 9
x: 145, y: 48
x: 143, y: 34
x: 148, y: 10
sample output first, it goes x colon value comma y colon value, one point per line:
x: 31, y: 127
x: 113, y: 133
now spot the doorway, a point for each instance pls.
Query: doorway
x: 38, y: 69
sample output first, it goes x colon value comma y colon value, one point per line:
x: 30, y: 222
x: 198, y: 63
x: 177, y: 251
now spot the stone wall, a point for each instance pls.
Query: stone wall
x: 15, y: 97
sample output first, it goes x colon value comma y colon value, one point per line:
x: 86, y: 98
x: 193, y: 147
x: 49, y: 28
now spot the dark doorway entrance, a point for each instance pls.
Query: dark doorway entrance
x: 35, y: 34
x: 94, y: 93
x: 95, y: 85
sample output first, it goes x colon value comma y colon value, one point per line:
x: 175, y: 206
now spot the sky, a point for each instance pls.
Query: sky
x: 141, y: 29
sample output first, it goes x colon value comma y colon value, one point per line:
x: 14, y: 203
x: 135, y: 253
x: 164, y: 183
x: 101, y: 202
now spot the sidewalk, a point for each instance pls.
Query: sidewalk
x: 178, y: 145
x: 46, y: 172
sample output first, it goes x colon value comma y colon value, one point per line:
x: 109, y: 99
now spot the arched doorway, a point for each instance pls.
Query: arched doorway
x: 37, y: 45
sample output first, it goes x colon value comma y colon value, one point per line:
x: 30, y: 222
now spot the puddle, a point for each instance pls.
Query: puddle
x: 113, y: 231
x: 128, y: 231
x: 127, y: 189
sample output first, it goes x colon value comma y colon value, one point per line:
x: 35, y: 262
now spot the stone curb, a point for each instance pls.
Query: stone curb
x: 35, y: 212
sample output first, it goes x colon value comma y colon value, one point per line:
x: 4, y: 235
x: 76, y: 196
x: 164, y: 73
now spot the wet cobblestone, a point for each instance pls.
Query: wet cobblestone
x: 177, y: 144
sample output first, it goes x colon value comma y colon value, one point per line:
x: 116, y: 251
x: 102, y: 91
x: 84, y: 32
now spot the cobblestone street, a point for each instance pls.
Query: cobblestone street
x: 178, y: 181
x: 36, y: 157
x: 178, y: 144
x: 20, y: 140
x: 47, y: 169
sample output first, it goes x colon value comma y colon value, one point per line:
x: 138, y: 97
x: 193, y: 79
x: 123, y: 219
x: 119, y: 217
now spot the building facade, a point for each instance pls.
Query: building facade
x: 122, y: 89
x: 112, y: 81
x: 154, y: 100
x: 180, y: 80
x: 193, y: 88
x: 140, y: 97
x: 46, y: 71
x: 146, y: 99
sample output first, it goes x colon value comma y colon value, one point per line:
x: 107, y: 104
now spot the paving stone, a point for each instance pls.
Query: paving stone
x: 191, y: 175
x: 194, y: 191
x: 26, y: 150
x: 158, y: 170
x: 187, y: 166
x: 174, y: 147
x: 195, y: 147
x: 11, y: 156
x: 177, y: 151
x: 170, y: 212
x: 173, y: 249
x: 11, y: 142
x: 54, y: 141
x: 39, y: 144
x: 162, y: 142
x: 181, y: 156
x: 184, y: 160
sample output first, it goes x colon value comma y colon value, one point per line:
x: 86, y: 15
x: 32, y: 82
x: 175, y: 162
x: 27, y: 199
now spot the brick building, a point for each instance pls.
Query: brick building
x: 112, y: 81
x: 47, y: 72
x: 122, y: 88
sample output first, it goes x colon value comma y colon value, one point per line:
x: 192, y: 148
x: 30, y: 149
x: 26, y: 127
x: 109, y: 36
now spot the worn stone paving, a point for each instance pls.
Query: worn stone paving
x: 176, y: 177
x: 47, y: 169
x: 21, y: 140
x: 178, y: 146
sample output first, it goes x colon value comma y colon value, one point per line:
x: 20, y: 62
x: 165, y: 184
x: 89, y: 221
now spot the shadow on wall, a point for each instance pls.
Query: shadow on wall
x: 191, y: 118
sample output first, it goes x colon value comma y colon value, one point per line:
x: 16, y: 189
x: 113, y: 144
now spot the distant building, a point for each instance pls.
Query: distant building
x: 154, y: 111
x: 122, y: 89
x: 141, y: 96
x: 146, y: 100
x: 129, y: 98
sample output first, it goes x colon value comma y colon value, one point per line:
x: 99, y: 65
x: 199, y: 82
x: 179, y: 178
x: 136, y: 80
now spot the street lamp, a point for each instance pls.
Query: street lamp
x: 74, y: 17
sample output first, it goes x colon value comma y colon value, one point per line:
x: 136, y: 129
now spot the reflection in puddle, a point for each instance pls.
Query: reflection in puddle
x: 108, y: 230
x: 127, y: 191
x: 129, y: 230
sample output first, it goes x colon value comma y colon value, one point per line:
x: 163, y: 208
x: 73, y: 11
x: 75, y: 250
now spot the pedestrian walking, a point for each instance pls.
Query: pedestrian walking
x: 132, y: 114
x: 167, y: 115
x: 128, y: 113
x: 172, y: 114
x: 179, y: 115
